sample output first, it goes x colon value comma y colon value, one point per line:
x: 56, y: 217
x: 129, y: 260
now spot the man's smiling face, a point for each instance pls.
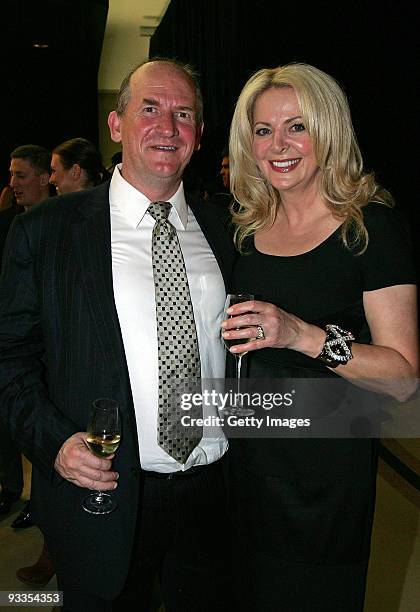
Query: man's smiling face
x: 158, y: 129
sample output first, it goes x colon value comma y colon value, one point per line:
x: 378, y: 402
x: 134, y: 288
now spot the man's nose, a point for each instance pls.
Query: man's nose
x: 13, y: 181
x: 167, y: 125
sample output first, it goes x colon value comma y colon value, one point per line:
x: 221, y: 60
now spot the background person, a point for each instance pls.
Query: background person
x: 321, y: 245
x: 29, y: 176
x: 115, y: 160
x: 224, y: 169
x: 76, y: 164
x: 216, y: 194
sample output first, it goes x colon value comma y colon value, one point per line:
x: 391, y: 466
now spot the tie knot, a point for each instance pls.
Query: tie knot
x: 159, y: 210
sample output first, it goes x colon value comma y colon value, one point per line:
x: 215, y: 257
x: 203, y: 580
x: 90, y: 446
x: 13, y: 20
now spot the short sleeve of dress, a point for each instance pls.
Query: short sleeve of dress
x: 388, y: 259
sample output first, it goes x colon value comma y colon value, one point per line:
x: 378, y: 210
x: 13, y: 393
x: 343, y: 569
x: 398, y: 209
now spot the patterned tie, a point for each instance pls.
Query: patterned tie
x: 179, y: 357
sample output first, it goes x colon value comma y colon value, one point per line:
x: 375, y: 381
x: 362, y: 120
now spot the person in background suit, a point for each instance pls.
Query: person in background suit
x: 29, y: 178
x: 78, y: 322
x: 30, y: 173
x: 219, y: 193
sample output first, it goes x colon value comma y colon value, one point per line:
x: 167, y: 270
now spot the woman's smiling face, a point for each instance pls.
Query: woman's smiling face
x: 282, y: 147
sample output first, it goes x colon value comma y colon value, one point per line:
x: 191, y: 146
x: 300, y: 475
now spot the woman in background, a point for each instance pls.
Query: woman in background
x: 76, y: 164
x: 328, y: 261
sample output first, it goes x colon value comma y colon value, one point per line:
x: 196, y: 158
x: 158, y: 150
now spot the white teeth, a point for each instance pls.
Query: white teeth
x: 163, y: 148
x: 285, y: 164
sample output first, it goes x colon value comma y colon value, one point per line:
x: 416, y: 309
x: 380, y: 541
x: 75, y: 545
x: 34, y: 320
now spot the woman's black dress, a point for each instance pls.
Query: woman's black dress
x: 303, y: 508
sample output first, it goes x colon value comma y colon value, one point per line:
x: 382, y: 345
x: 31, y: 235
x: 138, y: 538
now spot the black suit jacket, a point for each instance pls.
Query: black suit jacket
x: 6, y: 218
x: 60, y: 348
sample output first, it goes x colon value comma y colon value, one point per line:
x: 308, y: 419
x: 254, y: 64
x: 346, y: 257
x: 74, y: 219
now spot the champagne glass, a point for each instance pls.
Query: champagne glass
x: 237, y: 408
x: 103, y: 438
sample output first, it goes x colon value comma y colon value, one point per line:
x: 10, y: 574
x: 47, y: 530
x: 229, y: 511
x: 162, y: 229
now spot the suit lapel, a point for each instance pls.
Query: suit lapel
x: 91, y: 235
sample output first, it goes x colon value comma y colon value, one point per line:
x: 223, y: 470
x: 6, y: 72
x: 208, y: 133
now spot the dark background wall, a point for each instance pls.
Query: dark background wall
x: 371, y: 47
x: 49, y: 94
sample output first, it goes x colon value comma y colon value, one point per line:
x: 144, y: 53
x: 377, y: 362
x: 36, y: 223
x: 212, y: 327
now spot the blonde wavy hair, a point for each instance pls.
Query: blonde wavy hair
x: 326, y: 116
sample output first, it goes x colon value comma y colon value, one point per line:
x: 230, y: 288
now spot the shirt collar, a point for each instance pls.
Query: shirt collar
x: 133, y: 204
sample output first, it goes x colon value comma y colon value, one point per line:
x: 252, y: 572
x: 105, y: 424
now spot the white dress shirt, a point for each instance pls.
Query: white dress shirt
x: 134, y: 291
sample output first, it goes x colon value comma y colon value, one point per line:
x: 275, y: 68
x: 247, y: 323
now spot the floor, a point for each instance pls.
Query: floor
x: 19, y: 548
x: 394, y: 573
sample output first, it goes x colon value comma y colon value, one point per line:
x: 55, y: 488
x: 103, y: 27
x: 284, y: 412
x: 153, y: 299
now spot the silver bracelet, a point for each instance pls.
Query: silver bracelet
x: 337, y: 346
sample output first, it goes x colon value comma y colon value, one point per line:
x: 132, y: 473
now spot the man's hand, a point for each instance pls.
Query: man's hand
x: 77, y: 464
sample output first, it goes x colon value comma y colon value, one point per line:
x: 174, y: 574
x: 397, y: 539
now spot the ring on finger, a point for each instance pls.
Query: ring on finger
x: 261, y: 334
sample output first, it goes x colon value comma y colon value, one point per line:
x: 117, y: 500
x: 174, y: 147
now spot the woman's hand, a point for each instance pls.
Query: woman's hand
x: 388, y: 365
x: 280, y: 329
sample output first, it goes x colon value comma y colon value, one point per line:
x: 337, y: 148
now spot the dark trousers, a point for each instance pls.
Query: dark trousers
x: 182, y: 539
x: 279, y: 586
x: 11, y: 472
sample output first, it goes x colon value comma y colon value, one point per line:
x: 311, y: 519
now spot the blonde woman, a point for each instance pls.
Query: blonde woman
x: 326, y: 256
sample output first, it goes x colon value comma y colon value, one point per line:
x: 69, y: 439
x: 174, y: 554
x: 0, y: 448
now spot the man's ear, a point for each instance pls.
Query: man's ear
x: 114, y: 124
x: 198, y: 136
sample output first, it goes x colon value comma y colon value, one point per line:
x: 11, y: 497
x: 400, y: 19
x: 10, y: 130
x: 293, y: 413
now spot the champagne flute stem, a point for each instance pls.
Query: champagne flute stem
x: 238, y: 375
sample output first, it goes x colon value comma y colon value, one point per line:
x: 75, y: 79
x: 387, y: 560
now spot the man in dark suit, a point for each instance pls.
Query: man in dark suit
x: 78, y: 322
x: 29, y: 179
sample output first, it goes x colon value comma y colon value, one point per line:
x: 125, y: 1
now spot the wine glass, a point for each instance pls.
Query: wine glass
x: 103, y: 438
x: 237, y: 408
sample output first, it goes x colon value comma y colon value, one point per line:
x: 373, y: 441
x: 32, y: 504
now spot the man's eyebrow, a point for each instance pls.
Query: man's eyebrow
x: 185, y: 107
x: 152, y: 102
